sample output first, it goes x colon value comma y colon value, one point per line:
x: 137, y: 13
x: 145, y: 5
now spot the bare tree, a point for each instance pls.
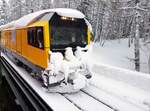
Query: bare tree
x: 3, y: 12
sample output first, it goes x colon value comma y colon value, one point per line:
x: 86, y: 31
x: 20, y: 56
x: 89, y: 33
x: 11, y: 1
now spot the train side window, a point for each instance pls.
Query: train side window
x: 31, y: 36
x: 35, y: 37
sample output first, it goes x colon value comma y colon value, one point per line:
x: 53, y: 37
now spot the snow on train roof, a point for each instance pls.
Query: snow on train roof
x: 8, y: 25
x: 25, y: 20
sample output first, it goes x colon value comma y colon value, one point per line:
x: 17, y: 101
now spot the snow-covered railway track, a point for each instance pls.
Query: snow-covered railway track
x: 86, y: 102
x: 112, y: 101
x: 93, y: 98
x: 76, y: 105
x: 111, y: 107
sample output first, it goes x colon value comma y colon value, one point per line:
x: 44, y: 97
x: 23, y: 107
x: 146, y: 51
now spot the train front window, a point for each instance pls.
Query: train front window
x: 68, y: 33
x: 67, y: 36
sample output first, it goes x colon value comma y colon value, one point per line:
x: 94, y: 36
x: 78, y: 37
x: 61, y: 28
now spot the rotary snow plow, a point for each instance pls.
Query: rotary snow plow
x: 61, y: 69
x: 67, y: 74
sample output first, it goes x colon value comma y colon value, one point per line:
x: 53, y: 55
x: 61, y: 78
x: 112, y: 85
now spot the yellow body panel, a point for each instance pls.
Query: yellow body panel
x: 89, y: 36
x: 8, y: 38
x: 7, y: 34
x: 18, y: 41
x: 6, y: 42
x: 35, y: 55
x: 3, y: 39
x: 24, y: 43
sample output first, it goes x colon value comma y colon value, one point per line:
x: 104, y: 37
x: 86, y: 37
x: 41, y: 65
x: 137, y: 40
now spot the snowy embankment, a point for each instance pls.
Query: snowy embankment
x: 136, y: 79
x: 117, y: 53
x: 130, y: 86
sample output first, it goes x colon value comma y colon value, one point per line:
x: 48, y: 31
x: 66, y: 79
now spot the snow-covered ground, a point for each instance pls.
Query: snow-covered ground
x: 113, y: 72
x: 117, y: 53
x: 122, y: 89
x: 111, y: 85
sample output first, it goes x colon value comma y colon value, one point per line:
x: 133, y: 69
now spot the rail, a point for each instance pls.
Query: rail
x: 28, y: 98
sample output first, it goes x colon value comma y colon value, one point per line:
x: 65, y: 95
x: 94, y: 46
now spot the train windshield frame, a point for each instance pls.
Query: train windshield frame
x: 67, y: 33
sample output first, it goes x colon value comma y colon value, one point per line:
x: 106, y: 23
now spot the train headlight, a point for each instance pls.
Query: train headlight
x: 67, y: 18
x: 64, y: 18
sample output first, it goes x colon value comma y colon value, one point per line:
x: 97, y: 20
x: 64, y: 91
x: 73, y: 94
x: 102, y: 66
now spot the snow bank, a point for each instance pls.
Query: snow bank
x: 117, y: 53
x: 108, y: 73
x: 136, y: 79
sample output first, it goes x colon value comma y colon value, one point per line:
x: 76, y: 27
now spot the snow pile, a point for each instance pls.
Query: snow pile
x: 70, y: 69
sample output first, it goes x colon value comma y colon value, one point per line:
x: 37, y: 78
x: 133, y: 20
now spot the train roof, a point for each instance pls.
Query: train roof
x: 27, y: 19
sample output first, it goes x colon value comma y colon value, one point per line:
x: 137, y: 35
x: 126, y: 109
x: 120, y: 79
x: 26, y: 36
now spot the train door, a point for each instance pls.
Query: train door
x: 13, y: 40
x: 9, y: 39
x: 6, y: 39
x: 24, y: 43
x: 18, y: 41
x: 36, y: 45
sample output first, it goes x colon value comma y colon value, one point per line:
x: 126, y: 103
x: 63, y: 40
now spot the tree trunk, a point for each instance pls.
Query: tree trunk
x: 149, y: 64
x: 137, y: 46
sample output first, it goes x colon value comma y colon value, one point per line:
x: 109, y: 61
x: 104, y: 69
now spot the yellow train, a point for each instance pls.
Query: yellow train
x: 34, y: 38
